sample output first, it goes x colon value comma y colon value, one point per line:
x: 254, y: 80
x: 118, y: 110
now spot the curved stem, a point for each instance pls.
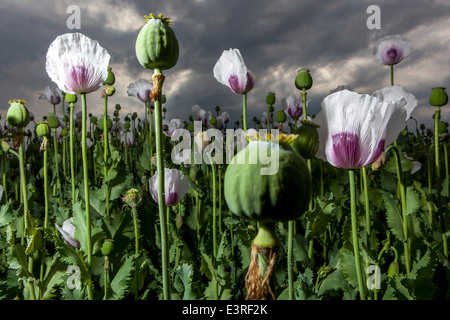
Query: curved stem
x: 351, y: 173
x: 401, y: 183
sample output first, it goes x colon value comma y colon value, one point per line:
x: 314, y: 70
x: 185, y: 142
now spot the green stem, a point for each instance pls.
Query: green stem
x: 392, y: 74
x: 105, y: 151
x: 86, y: 190
x: 290, y: 260
x: 366, y: 202
x: 244, y: 111
x: 161, y: 197
x: 401, y: 183
x: 41, y: 278
x: 136, y: 269
x: 72, y: 160
x: 351, y: 173
x: 55, y: 142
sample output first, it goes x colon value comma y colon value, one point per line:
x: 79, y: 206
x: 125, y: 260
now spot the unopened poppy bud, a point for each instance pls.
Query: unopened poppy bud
x: 5, y: 146
x: 117, y: 107
x: 64, y: 132
x: 307, y: 142
x: 108, y: 91
x: 179, y: 221
x: 303, y: 80
x: 110, y: 79
x: 127, y: 125
x: 212, y: 121
x: 107, y: 247
x: 132, y: 198
x: 280, y: 116
x: 442, y: 127
x: 394, y: 269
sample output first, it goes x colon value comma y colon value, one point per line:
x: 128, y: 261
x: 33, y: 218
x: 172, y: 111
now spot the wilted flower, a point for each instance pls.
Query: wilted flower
x: 76, y: 63
x: 67, y: 230
x: 175, y: 186
x: 140, y: 89
x: 352, y: 130
x: 230, y: 70
x: 390, y: 50
x: 52, y: 94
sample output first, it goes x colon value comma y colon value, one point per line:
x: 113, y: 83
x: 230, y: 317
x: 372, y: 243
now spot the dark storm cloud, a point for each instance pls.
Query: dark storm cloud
x: 276, y: 38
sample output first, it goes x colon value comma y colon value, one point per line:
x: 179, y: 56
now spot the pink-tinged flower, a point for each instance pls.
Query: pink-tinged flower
x: 198, y: 114
x: 225, y: 116
x: 293, y: 106
x: 353, y: 127
x: 230, y: 70
x: 67, y: 231
x: 131, y: 141
x: 390, y: 50
x: 52, y: 94
x: 394, y: 93
x: 171, y: 126
x: 76, y: 63
x: 176, y: 185
x: 140, y: 89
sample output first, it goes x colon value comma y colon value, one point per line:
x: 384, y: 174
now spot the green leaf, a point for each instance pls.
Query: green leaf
x: 80, y: 224
x: 318, y: 219
x: 119, y: 284
x: 54, y: 275
x: 332, y: 283
x: 393, y: 216
x: 186, y: 274
x: 6, y: 215
x: 347, y: 260
x: 412, y: 201
x: 18, y: 260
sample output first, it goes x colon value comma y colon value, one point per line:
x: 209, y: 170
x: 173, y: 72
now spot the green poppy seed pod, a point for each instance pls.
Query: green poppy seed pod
x: 43, y: 129
x: 307, y: 142
x: 217, y: 108
x: 71, y: 98
x: 303, y: 80
x: 18, y: 115
x: 101, y: 123
x: 134, y: 116
x: 127, y: 125
x: 156, y: 44
x: 107, y: 247
x: 5, y: 146
x: 163, y: 99
x: 94, y: 120
x: 280, y: 116
x: 442, y: 127
x: 110, y: 79
x: 64, y: 132
x: 212, y: 121
x: 52, y: 120
x: 438, y: 97
x: 117, y: 107
x: 422, y: 126
x: 270, y: 99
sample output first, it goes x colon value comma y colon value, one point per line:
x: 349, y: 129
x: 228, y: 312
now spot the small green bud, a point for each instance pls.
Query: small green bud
x: 110, y: 79
x: 127, y: 125
x: 132, y: 198
x: 303, y: 80
x: 101, y: 123
x: 438, y: 97
x: 107, y: 247
x: 52, y: 120
x: 217, y: 108
x: 179, y: 221
x: 94, y: 120
x: 108, y: 91
x: 270, y: 99
x: 442, y: 127
x: 394, y: 269
x: 163, y: 99
x: 5, y: 146
x: 117, y: 107
x: 64, y: 132
x: 71, y: 98
x: 280, y: 116
x: 307, y: 142
x: 212, y: 121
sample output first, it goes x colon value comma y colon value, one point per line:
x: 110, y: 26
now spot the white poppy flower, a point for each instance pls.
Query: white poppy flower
x: 140, y: 89
x: 176, y: 185
x: 76, y: 63
x: 67, y: 230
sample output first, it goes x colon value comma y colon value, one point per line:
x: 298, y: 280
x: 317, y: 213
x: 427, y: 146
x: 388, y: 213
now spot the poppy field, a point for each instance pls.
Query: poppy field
x: 345, y: 204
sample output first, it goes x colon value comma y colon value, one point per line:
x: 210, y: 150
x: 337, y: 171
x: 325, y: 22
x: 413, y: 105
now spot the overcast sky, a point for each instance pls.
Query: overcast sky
x: 276, y: 38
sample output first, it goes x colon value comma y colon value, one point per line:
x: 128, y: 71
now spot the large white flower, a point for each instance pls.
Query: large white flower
x: 140, y: 89
x: 230, y: 70
x: 352, y: 130
x: 175, y: 186
x: 76, y: 63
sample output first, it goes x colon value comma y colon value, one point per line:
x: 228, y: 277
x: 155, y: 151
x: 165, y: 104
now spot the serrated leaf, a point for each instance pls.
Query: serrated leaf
x: 412, y: 201
x: 6, y: 214
x: 119, y: 284
x: 80, y: 224
x: 393, y: 216
x: 333, y: 282
x: 186, y: 274
x: 18, y: 260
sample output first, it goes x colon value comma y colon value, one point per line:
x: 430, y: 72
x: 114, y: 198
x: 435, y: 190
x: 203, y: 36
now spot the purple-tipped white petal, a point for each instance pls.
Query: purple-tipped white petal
x: 67, y: 231
x: 230, y: 70
x: 352, y: 132
x: 293, y: 106
x: 76, y: 63
x: 390, y: 50
x: 140, y: 89
x: 176, y: 185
